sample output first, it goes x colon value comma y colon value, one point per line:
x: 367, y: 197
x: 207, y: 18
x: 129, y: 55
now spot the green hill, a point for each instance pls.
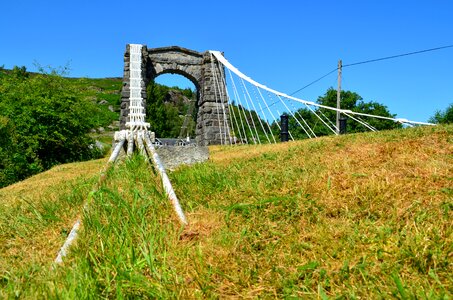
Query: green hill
x: 357, y: 216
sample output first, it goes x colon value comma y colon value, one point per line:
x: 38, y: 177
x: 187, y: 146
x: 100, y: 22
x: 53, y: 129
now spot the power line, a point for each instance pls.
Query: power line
x: 368, y: 61
x: 396, y: 56
x: 313, y: 82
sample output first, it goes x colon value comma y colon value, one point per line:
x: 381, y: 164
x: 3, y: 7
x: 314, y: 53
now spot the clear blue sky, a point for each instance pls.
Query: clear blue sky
x: 283, y: 44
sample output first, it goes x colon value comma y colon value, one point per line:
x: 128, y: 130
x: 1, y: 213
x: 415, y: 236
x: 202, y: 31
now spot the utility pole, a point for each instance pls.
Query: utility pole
x: 338, y: 95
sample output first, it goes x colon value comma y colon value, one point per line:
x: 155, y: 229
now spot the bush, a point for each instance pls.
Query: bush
x: 47, y: 121
x: 443, y: 117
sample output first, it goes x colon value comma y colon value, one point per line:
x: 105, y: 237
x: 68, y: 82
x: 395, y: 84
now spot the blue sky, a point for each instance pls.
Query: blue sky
x: 283, y: 44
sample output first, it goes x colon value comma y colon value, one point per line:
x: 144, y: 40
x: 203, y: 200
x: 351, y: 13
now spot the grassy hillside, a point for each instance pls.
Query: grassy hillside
x: 356, y: 216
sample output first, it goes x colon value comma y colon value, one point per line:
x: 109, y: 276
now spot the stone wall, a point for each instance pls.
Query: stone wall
x: 174, y: 156
x: 197, y: 67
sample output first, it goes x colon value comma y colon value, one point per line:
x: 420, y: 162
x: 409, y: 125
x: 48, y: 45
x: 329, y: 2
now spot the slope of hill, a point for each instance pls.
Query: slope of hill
x: 356, y: 216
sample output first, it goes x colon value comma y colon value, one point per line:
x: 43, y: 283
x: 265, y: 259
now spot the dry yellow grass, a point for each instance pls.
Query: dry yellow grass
x: 35, y: 187
x: 35, y: 216
x: 356, y: 216
x: 376, y: 202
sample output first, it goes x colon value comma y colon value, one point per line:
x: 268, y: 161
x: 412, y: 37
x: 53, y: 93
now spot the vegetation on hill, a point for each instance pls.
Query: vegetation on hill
x: 443, y: 116
x: 357, y: 216
x: 45, y: 119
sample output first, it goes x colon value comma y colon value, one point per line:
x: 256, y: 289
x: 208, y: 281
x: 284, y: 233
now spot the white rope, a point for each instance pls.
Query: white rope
x: 363, y: 123
x: 247, y: 99
x: 215, y: 92
x: 374, y: 128
x: 328, y: 120
x: 222, y: 88
x: 236, y: 94
x: 305, y: 122
x: 233, y: 118
x: 268, y: 108
x: 268, y: 126
x: 75, y: 228
x: 226, y: 63
x: 165, y: 180
x: 243, y: 87
x: 226, y: 98
x: 244, y: 113
x: 327, y: 125
x: 259, y: 119
x: 281, y: 100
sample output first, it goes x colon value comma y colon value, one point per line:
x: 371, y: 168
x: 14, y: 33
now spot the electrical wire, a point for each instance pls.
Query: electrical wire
x: 396, y: 56
x: 313, y: 82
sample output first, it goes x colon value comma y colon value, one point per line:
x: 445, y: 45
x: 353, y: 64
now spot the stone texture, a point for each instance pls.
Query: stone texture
x: 195, y: 66
x: 174, y: 156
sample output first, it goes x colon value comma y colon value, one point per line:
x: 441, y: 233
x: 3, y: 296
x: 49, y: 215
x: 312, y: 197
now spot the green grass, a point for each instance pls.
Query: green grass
x: 98, y: 89
x: 363, y: 216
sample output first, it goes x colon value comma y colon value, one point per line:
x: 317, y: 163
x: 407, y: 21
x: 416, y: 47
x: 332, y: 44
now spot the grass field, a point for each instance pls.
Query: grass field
x: 363, y: 216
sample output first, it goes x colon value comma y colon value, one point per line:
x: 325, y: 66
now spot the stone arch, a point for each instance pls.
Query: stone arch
x: 195, y: 66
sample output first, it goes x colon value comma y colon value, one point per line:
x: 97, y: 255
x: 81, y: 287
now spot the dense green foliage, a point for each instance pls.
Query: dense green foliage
x: 44, y: 120
x: 443, y: 117
x: 166, y: 115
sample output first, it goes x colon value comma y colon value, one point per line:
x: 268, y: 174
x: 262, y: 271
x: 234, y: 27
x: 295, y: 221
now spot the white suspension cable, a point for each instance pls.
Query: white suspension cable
x: 281, y: 100
x: 327, y: 125
x: 268, y: 108
x: 244, y: 90
x: 363, y: 123
x: 268, y: 126
x: 374, y: 128
x: 259, y: 119
x: 305, y: 122
x: 215, y: 92
x: 328, y: 120
x: 230, y: 109
x: 236, y: 95
x: 226, y: 63
x: 224, y: 97
x: 245, y: 117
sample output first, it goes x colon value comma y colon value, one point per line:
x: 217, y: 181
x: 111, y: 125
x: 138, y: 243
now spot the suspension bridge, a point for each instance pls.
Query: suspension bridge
x: 220, y: 85
x: 232, y: 107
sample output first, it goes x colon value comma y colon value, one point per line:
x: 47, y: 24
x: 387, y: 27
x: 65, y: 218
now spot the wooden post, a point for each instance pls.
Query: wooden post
x: 338, y: 96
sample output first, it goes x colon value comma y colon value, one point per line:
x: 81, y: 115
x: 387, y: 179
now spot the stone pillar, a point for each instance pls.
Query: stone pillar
x: 125, y: 91
x: 212, y: 101
x: 211, y: 127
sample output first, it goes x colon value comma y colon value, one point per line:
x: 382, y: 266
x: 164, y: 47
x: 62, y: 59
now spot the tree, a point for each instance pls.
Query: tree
x: 48, y: 121
x: 443, y: 117
x: 354, y: 102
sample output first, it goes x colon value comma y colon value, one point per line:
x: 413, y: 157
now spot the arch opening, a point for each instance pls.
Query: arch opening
x: 197, y: 68
x: 172, y: 106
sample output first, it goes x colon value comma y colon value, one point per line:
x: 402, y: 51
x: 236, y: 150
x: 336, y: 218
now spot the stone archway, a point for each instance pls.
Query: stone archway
x: 195, y: 66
